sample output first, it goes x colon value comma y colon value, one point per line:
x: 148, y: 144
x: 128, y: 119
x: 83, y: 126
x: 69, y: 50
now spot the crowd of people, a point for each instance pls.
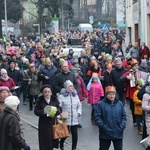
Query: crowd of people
x: 104, y: 74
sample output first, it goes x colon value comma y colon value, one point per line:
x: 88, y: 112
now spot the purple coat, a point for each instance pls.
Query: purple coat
x: 82, y: 92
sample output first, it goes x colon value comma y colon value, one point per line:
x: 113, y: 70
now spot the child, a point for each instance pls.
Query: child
x: 95, y: 92
x: 138, y: 106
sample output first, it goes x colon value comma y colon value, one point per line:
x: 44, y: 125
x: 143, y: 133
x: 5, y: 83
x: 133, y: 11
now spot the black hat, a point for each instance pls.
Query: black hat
x: 5, y: 60
x: 11, y: 60
x: 45, y: 86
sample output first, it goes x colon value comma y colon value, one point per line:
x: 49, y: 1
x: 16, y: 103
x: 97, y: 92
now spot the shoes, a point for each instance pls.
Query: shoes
x: 140, y: 132
x: 92, y: 120
x: 134, y: 124
x: 24, y: 103
x: 79, y: 126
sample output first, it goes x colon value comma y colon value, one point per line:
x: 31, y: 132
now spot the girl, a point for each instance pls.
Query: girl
x: 95, y: 92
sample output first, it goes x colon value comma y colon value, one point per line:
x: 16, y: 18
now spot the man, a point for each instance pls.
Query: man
x: 64, y: 75
x: 134, y: 51
x: 110, y: 117
x: 130, y: 78
x: 10, y: 132
x: 47, y: 73
x: 16, y: 75
x: 114, y: 78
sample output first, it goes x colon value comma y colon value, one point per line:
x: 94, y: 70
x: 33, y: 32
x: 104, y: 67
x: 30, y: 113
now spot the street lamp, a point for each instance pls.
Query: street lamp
x: 5, y: 6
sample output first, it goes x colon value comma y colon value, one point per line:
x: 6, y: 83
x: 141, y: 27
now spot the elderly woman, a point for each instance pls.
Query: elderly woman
x: 5, y: 80
x: 70, y: 102
x: 46, y: 121
x: 4, y: 93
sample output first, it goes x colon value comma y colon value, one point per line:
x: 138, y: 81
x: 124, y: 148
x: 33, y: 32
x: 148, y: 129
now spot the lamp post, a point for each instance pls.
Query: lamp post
x: 5, y: 6
x: 62, y: 15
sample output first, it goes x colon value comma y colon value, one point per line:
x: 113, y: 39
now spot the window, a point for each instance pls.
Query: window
x: 134, y: 1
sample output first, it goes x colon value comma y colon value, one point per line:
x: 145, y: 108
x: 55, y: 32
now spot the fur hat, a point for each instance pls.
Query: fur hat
x: 67, y: 83
x: 12, y: 102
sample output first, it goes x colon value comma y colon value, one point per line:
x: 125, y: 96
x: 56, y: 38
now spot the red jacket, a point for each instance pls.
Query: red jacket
x: 9, y: 83
x: 144, y: 51
x: 129, y: 90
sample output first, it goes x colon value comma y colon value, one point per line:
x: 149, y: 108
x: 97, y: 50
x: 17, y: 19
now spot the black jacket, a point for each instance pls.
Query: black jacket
x: 115, y: 76
x: 10, y: 132
x: 16, y: 75
x: 61, y: 78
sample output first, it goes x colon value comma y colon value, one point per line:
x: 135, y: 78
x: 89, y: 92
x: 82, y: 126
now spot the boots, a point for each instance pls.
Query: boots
x: 140, y: 132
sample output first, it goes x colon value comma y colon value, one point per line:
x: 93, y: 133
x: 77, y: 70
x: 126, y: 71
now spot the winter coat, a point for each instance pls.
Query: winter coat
x: 115, y: 76
x: 146, y: 107
x: 2, y: 106
x: 61, y: 78
x: 137, y: 103
x: 144, y: 52
x: 15, y: 75
x: 82, y: 92
x: 34, y: 85
x: 10, y: 132
x: 45, y: 124
x: 50, y: 72
x: 110, y: 118
x: 9, y: 83
x: 70, y: 103
x: 95, y: 93
x: 134, y: 52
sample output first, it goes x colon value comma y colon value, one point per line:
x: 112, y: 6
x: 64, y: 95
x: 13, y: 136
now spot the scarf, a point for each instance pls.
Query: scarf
x: 5, y: 79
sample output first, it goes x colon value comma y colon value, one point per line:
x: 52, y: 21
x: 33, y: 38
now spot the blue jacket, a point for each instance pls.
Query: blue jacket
x: 110, y: 118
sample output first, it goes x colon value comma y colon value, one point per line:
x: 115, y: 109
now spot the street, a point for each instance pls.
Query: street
x: 88, y: 134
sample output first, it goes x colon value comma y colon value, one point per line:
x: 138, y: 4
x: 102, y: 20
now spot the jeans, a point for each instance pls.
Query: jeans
x: 31, y: 98
x: 105, y: 144
x: 132, y: 110
x: 74, y: 132
x: 121, y: 97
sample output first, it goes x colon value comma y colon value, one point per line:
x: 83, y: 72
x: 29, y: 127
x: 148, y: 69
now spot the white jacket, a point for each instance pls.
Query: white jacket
x: 70, y: 103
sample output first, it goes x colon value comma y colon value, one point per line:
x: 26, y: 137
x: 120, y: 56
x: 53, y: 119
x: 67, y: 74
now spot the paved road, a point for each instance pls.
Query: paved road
x: 88, y: 135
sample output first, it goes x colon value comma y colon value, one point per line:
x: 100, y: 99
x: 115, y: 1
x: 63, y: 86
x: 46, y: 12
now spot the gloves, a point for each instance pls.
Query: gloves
x: 27, y: 148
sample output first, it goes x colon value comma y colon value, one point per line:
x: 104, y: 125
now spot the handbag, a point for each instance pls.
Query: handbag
x: 60, y: 130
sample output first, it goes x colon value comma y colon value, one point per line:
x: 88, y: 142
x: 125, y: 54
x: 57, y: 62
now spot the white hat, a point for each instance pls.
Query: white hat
x: 3, y: 71
x: 67, y: 83
x: 12, y: 102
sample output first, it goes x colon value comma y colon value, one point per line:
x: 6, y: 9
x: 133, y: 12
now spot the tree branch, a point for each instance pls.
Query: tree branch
x: 30, y: 13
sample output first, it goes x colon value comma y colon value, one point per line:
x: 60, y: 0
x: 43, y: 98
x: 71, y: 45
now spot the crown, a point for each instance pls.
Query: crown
x: 110, y: 89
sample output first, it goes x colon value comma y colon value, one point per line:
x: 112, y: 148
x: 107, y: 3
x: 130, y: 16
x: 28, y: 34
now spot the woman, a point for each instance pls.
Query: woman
x: 45, y: 133
x: 4, y: 93
x: 69, y: 101
x: 33, y: 85
x: 5, y: 80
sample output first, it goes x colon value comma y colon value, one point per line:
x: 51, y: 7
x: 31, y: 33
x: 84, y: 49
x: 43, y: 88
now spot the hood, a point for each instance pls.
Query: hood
x: 147, y: 89
x: 65, y: 92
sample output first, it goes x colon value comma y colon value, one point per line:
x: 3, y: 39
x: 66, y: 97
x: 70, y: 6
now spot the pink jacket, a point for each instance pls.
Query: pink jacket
x: 96, y: 91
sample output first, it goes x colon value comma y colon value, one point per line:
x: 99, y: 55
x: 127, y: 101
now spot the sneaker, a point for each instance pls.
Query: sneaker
x: 140, y: 132
x: 79, y: 126
x: 134, y: 124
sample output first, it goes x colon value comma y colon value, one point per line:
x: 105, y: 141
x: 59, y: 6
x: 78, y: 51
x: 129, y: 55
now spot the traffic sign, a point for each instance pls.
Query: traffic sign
x: 91, y: 17
x: 91, y: 21
x: 105, y: 26
x: 99, y: 23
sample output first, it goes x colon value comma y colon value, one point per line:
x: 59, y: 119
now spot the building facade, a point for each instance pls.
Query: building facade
x: 138, y: 21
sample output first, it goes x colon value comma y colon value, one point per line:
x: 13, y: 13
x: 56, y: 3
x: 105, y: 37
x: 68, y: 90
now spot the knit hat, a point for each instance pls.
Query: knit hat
x: 143, y: 61
x: 4, y: 88
x: 110, y: 89
x: 47, y: 59
x: 67, y: 83
x: 118, y: 60
x: 12, y: 102
x: 3, y: 71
